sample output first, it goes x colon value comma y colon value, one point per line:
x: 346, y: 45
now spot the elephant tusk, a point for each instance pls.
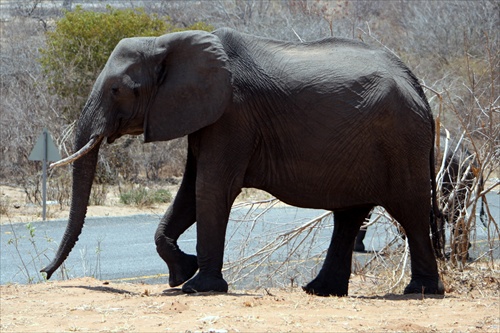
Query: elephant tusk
x: 84, y: 150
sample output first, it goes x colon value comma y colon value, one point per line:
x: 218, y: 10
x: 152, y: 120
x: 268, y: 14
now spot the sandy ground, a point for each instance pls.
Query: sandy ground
x: 89, y: 305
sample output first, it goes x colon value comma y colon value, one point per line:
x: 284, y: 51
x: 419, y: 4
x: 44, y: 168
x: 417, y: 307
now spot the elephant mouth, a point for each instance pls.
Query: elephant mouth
x: 93, y: 142
x: 113, y: 137
x: 125, y: 127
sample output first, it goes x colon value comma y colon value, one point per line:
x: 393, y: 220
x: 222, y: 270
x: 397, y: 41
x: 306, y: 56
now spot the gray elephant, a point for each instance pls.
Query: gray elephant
x: 333, y: 124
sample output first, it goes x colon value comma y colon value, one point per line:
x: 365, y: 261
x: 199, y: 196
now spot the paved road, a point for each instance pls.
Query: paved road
x: 122, y: 248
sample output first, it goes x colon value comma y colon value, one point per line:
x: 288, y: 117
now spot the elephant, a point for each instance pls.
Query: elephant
x: 331, y: 124
x: 457, y: 180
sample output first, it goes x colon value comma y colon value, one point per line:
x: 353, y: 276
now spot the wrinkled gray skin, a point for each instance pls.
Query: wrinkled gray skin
x: 332, y: 124
x: 458, y: 178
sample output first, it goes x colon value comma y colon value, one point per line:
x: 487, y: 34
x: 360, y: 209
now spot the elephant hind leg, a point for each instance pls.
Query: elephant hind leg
x: 414, y: 218
x: 333, y: 279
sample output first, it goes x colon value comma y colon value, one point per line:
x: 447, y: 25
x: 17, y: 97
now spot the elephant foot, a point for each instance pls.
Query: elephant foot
x: 182, y: 270
x: 359, y: 247
x: 429, y: 286
x: 204, y: 283
x: 319, y: 287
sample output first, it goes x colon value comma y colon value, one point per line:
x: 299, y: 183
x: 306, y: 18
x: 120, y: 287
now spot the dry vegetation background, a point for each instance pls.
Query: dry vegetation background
x: 452, y: 46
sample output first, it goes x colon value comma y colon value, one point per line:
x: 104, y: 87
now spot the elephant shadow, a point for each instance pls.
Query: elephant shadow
x: 105, y: 289
x: 387, y: 297
x: 167, y: 292
x: 171, y: 292
x: 399, y: 297
x: 178, y: 292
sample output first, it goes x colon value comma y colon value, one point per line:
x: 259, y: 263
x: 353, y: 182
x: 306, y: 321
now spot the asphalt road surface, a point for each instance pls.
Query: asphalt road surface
x: 122, y: 248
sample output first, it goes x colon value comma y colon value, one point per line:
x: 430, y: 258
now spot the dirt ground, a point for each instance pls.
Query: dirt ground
x: 89, y: 305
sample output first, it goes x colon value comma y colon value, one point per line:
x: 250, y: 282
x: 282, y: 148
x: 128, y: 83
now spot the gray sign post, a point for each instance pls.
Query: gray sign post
x: 44, y: 150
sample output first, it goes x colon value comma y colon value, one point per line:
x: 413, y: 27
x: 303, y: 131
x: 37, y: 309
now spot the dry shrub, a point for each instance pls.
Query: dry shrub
x: 477, y: 278
x: 98, y: 194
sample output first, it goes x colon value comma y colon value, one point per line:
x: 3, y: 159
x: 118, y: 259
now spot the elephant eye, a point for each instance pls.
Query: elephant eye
x: 115, y: 90
x: 136, y: 92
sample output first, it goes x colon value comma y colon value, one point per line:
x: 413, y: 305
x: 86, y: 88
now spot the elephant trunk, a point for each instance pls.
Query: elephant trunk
x: 83, y: 175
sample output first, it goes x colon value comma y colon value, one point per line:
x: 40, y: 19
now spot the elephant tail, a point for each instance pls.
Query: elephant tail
x: 436, y: 218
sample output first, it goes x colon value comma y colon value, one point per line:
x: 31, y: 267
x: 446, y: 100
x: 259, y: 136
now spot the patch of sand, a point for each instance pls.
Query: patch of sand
x: 87, y: 304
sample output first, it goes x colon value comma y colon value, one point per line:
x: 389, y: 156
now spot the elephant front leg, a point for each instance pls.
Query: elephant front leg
x: 212, y: 218
x: 181, y: 266
x: 210, y: 259
x: 333, y: 279
x: 179, y: 217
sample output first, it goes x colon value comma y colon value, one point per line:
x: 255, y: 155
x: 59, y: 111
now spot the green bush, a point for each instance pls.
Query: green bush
x: 79, y: 46
x: 142, y: 196
x: 162, y: 196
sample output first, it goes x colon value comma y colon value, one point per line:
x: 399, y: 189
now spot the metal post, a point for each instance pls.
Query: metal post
x: 44, y: 150
x: 44, y: 174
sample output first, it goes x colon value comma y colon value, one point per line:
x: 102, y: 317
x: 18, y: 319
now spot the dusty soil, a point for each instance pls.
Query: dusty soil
x: 90, y: 305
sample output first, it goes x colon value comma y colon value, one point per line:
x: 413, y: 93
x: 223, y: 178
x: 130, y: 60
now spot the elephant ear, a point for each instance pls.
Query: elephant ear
x: 193, y: 85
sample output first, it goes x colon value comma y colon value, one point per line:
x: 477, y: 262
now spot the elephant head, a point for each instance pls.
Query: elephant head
x: 164, y: 87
